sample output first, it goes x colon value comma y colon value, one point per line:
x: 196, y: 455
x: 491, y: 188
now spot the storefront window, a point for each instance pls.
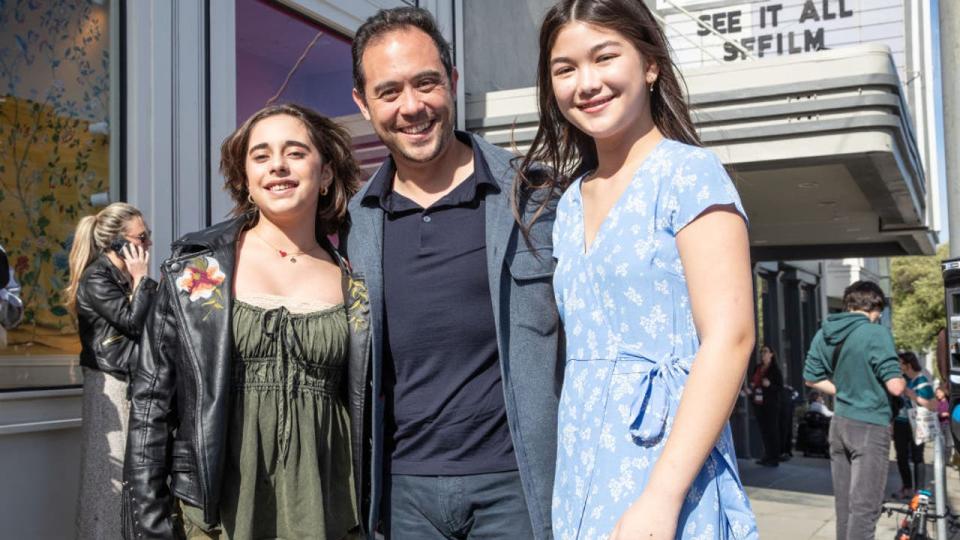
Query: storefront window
x: 54, y: 158
x: 281, y: 59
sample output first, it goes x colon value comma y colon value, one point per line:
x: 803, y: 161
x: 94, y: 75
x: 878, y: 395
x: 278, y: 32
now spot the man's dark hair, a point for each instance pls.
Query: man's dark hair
x: 863, y: 296
x: 389, y: 20
x: 910, y: 359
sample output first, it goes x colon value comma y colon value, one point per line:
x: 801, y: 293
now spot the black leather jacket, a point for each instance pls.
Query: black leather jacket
x: 181, y: 391
x: 110, y: 318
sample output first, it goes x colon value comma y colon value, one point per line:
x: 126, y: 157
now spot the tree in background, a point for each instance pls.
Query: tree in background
x: 918, y: 310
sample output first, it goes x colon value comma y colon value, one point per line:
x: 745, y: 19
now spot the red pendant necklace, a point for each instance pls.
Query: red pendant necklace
x: 283, y: 253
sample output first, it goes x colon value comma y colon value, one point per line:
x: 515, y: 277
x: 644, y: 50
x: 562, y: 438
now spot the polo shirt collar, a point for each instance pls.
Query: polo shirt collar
x: 381, y: 184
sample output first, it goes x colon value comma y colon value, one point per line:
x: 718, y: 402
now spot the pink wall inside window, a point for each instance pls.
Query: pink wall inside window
x: 270, y: 40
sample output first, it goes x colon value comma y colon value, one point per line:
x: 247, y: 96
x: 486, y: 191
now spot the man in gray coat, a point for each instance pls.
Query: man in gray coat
x: 454, y: 416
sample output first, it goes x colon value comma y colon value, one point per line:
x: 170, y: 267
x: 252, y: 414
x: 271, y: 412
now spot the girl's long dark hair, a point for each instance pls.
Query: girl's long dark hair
x: 559, y: 145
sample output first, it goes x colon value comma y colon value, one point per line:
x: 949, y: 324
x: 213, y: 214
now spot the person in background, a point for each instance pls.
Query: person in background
x: 853, y: 358
x: 11, y: 307
x: 919, y: 393
x: 942, y: 358
x: 943, y: 415
x: 239, y: 424
x: 817, y: 405
x: 766, y: 386
x: 788, y: 407
x: 111, y: 292
x: 942, y: 355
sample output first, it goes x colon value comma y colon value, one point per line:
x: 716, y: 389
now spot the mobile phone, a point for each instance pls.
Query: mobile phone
x: 117, y: 246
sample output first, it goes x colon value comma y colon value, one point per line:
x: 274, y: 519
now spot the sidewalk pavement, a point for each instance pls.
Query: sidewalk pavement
x: 795, y: 500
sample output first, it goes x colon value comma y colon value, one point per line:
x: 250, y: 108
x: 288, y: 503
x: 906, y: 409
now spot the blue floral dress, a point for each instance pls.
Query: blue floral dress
x: 630, y: 344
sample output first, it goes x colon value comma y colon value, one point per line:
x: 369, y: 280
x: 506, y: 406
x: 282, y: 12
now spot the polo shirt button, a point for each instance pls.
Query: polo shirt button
x: 426, y: 219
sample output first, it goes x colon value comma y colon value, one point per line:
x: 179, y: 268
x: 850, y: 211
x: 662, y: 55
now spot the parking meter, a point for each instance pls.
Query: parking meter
x: 951, y: 286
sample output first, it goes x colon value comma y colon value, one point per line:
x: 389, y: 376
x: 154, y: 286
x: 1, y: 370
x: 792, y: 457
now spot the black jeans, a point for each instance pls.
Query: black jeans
x: 858, y: 463
x: 907, y: 453
x: 786, y: 422
x: 768, y: 417
x: 456, y: 507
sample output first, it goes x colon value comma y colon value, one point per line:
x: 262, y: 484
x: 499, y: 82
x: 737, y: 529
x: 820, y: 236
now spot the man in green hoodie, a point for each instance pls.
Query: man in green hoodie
x: 855, y: 360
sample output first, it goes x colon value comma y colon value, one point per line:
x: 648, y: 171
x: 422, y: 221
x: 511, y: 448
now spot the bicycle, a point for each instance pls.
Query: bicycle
x: 917, y: 514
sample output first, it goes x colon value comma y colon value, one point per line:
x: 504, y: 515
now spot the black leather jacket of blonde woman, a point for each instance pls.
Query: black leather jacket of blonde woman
x: 111, y: 317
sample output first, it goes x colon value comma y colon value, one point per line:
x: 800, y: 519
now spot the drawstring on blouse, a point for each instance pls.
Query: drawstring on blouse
x: 276, y: 324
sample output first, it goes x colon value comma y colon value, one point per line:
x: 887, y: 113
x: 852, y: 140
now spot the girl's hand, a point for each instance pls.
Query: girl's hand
x: 137, y: 260
x: 650, y: 517
x: 766, y: 382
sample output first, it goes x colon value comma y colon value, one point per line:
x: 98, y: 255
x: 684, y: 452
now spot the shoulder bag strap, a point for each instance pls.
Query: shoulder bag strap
x: 836, y: 356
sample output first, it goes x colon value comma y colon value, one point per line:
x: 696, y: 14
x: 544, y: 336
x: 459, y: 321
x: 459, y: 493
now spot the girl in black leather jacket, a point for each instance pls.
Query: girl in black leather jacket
x: 239, y: 422
x: 111, y: 293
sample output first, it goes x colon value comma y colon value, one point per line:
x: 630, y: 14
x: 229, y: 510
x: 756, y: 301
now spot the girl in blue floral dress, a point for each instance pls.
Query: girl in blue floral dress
x: 653, y: 284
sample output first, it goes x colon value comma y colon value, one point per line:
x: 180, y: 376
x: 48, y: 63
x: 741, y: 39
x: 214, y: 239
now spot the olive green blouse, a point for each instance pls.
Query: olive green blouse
x: 288, y: 469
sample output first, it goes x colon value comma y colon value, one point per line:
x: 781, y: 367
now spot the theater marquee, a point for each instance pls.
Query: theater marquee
x: 767, y: 28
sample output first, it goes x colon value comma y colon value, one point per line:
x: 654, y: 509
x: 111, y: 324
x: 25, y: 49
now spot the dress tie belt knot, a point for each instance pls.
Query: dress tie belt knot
x: 652, y: 408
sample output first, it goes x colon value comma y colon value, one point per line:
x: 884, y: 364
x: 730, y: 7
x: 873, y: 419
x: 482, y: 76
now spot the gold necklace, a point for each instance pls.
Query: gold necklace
x: 283, y: 253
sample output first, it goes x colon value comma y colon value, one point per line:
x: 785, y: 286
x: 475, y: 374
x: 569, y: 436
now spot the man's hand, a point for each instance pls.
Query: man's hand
x: 826, y: 386
x: 895, y: 386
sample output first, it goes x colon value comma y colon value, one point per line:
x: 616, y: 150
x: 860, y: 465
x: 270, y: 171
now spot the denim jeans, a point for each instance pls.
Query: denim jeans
x: 908, y: 453
x: 858, y: 463
x: 456, y: 507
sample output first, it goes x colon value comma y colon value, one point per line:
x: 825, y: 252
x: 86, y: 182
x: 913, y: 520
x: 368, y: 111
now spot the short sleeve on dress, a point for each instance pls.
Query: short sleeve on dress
x: 563, y: 235
x: 698, y: 183
x: 555, y: 233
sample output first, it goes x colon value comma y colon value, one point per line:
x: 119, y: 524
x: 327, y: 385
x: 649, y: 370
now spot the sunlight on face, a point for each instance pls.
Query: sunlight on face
x: 600, y: 80
x: 408, y: 98
x: 284, y: 169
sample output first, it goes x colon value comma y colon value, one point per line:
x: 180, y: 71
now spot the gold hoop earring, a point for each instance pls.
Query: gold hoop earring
x: 250, y: 199
x: 323, y: 191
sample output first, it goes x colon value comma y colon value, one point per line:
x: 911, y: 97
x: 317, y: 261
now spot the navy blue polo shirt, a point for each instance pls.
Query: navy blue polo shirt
x: 445, y: 413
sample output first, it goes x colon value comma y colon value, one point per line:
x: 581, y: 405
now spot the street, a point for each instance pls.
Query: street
x: 795, y: 500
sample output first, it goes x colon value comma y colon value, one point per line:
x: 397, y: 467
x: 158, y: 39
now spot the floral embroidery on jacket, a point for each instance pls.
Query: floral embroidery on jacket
x: 358, y: 303
x: 202, y: 280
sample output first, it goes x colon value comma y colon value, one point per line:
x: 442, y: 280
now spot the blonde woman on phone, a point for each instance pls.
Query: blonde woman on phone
x: 111, y: 293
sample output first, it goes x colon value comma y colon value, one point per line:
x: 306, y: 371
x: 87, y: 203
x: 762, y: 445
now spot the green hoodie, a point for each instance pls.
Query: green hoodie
x: 868, y: 359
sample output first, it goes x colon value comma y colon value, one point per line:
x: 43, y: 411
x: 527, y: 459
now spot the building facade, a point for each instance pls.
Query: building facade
x: 831, y: 138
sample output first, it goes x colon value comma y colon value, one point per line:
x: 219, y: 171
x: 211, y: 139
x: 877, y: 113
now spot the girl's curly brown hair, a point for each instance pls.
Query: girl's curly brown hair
x: 331, y: 140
